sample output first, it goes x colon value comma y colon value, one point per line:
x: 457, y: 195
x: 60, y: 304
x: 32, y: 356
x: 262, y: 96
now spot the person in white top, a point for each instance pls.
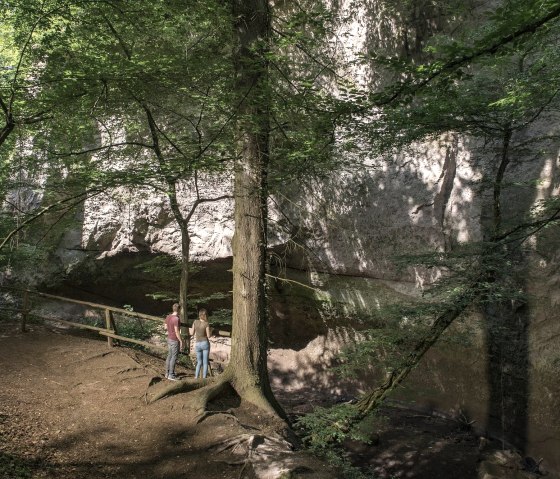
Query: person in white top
x: 201, y: 331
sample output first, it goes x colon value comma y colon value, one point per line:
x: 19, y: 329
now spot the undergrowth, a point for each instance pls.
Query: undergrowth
x: 324, y: 431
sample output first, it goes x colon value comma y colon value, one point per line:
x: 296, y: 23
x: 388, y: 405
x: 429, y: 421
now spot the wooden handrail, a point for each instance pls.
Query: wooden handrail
x: 101, y: 306
x: 88, y: 303
x: 131, y: 340
x: 109, y: 331
x: 72, y: 323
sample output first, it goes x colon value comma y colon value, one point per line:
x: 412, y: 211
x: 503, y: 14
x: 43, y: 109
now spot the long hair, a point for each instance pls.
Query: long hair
x: 202, y: 312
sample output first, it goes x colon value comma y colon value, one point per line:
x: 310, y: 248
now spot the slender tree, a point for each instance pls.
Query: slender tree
x: 159, y: 110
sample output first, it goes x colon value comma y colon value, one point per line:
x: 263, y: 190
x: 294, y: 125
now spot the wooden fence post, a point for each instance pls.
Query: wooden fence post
x: 109, y: 325
x: 25, y: 311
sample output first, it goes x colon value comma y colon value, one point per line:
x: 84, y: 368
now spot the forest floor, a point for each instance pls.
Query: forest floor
x: 71, y: 408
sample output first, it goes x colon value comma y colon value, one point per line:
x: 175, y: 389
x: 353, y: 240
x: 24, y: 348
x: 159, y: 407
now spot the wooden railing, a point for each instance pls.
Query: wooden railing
x: 110, y: 329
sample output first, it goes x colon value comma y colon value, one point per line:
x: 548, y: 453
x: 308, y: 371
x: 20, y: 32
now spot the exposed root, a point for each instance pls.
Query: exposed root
x: 203, y: 396
x: 154, y: 380
x: 130, y: 378
x: 245, y: 464
x: 165, y: 389
x: 134, y: 356
x: 202, y: 392
x: 126, y: 370
x: 261, y: 453
x: 247, y: 444
x: 95, y: 356
x: 215, y: 413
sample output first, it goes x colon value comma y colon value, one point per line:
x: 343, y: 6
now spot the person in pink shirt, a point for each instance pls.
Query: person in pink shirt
x: 174, y: 342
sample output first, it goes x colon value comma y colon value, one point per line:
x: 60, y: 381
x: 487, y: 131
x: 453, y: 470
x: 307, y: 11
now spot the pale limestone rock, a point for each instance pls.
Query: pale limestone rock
x: 504, y: 465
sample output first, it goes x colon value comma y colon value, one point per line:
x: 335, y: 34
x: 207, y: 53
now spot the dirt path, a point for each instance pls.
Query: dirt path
x: 71, y: 408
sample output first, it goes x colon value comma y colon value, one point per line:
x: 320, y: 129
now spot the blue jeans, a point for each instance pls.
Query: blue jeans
x: 202, y: 349
x: 172, y: 353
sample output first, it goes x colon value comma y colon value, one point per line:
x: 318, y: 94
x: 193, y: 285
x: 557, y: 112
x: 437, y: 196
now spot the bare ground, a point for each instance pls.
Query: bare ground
x: 71, y: 408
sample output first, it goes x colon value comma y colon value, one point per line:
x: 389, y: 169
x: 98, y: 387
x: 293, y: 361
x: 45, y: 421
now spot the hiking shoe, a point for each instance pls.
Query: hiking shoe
x: 173, y: 378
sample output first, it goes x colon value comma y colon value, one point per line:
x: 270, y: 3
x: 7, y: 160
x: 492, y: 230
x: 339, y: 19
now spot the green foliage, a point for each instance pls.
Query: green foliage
x: 325, y: 429
x: 326, y: 426
x: 221, y: 317
x: 302, y: 109
x: 137, y: 328
x: 96, y: 69
x: 165, y: 296
x: 14, y: 467
x: 23, y: 256
x: 500, y: 73
x: 196, y: 300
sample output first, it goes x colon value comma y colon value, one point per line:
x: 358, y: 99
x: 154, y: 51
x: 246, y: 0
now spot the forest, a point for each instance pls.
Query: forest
x: 363, y: 195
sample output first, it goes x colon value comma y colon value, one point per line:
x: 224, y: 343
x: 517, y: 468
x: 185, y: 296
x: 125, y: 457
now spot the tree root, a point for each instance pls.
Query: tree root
x: 204, y: 391
x: 203, y: 396
x: 248, y: 444
x: 206, y: 414
x: 95, y: 356
x: 163, y: 390
x: 154, y: 380
x: 260, y: 453
x: 134, y: 356
x: 127, y: 370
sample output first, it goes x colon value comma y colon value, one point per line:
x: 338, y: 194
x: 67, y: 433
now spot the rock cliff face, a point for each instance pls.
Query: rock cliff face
x: 140, y: 220
x: 344, y: 234
x: 357, y: 223
x: 431, y: 200
x: 348, y: 230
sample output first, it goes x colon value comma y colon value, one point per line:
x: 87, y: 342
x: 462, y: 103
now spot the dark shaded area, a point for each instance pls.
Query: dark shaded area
x: 116, y: 281
x: 120, y: 280
x: 435, y: 448
x: 507, y: 332
x: 508, y: 321
x: 191, y: 463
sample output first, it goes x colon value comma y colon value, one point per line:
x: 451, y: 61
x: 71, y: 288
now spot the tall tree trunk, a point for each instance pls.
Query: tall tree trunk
x: 247, y: 371
x: 185, y: 253
x: 248, y: 364
x: 177, y: 213
x: 507, y: 329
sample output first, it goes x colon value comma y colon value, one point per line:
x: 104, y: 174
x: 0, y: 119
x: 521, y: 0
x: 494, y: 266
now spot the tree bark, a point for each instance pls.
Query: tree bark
x: 371, y: 400
x: 176, y: 210
x: 497, y: 194
x: 185, y: 256
x: 248, y: 365
x: 247, y: 370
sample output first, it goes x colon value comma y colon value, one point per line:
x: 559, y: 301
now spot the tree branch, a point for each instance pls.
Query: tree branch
x: 451, y: 65
x: 204, y: 200
x: 100, y: 148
